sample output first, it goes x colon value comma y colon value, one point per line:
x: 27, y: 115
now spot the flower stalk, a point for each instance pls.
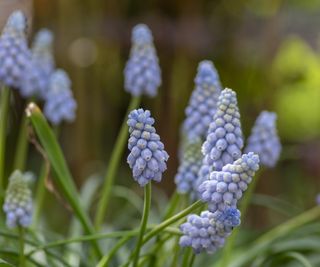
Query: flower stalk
x: 21, y: 247
x: 144, y: 221
x: 113, y: 166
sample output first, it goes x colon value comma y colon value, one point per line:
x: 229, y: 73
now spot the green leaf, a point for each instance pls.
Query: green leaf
x: 245, y: 255
x: 4, y: 106
x: 275, y: 204
x: 302, y: 244
x: 63, y: 176
x: 299, y: 257
x: 87, y: 196
x: 4, y: 263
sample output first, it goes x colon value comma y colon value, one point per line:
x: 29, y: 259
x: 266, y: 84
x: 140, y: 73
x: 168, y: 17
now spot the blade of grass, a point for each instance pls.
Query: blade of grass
x: 113, y: 166
x: 87, y: 194
x: 12, y: 253
x: 4, y: 263
x: 57, y: 160
x: 4, y: 102
x: 22, y: 146
x: 298, y: 257
x: 276, y: 204
x: 41, y: 185
x: 114, y: 234
x: 262, y: 243
x: 40, y: 195
x: 105, y: 260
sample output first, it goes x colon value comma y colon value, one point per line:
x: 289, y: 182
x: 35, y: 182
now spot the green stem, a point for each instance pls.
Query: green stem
x: 105, y: 260
x: 186, y: 257
x: 21, y: 241
x: 174, y: 201
x: 192, y: 259
x: 115, y: 234
x: 144, y: 221
x: 113, y: 166
x: 4, y: 102
x: 22, y: 146
x: 175, y: 257
x: 172, y: 220
x: 244, y: 204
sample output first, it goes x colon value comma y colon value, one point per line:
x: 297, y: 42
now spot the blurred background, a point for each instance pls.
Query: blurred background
x: 268, y: 51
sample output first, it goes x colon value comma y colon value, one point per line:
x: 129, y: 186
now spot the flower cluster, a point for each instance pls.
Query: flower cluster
x: 203, y: 101
x: 208, y: 231
x: 147, y: 157
x: 142, y: 71
x: 14, y: 52
x: 189, y: 166
x: 32, y: 71
x: 18, y: 201
x: 264, y: 139
x: 224, y: 140
x: 60, y: 104
x: 225, y: 187
x: 37, y: 75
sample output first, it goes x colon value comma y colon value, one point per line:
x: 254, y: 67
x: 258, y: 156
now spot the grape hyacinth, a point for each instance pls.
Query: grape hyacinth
x: 14, y: 52
x: 264, y: 139
x: 142, y: 72
x: 18, y: 201
x: 208, y: 231
x: 60, y: 104
x: 37, y: 75
x: 224, y: 140
x: 147, y: 157
x: 203, y: 101
x: 224, y: 188
x: 189, y: 166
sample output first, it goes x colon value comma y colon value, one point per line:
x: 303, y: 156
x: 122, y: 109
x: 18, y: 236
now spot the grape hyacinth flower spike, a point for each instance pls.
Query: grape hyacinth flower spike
x: 147, y: 157
x: 14, y: 52
x: 189, y: 166
x: 224, y: 188
x: 142, y: 72
x: 224, y: 140
x: 203, y: 101
x: 208, y: 231
x: 264, y: 139
x: 37, y: 75
x: 18, y: 201
x: 60, y: 104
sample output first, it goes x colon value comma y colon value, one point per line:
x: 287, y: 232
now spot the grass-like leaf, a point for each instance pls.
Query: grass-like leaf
x: 63, y: 176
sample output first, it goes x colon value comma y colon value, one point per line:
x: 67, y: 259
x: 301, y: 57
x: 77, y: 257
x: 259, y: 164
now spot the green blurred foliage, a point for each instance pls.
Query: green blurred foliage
x: 296, y: 69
